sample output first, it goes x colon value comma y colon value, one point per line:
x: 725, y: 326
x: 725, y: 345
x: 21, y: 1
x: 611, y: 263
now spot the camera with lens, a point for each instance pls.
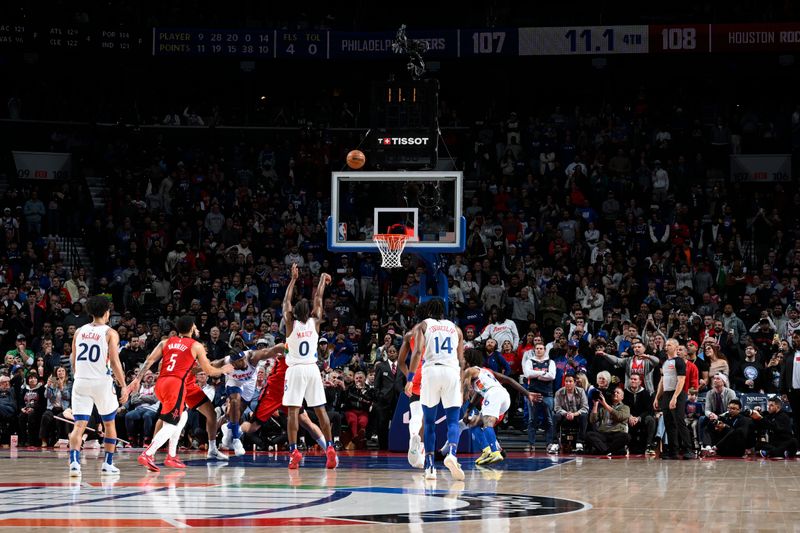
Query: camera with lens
x: 746, y: 411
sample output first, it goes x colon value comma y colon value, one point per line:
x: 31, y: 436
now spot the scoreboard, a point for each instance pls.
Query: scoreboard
x: 70, y: 37
x: 261, y: 43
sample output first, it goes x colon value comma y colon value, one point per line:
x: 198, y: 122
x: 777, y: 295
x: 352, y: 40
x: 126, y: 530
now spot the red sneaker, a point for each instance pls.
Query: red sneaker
x: 173, y: 462
x: 333, y: 460
x: 147, y: 462
x: 294, y: 460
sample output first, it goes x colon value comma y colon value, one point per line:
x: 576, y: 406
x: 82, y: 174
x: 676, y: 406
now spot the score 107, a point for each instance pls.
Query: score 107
x: 605, y: 43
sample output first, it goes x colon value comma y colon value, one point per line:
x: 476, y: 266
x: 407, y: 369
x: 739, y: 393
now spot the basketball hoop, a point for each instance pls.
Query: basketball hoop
x: 391, y: 246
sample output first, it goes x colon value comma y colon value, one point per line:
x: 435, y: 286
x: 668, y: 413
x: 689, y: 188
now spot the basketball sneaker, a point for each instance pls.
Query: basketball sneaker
x: 109, y: 470
x: 493, y: 457
x: 172, y: 461
x: 430, y: 474
x: 484, y: 454
x: 227, y: 437
x: 333, y: 459
x: 74, y: 469
x: 147, y: 462
x: 238, y: 447
x: 294, y: 460
x: 214, y: 453
x: 455, y: 469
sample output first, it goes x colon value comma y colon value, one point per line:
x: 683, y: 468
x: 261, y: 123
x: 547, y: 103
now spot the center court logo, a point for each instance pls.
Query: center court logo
x: 481, y: 506
x: 204, y: 505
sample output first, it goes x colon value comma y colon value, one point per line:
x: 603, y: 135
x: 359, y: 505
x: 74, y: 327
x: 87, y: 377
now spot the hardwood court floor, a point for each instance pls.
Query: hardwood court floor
x: 378, y: 492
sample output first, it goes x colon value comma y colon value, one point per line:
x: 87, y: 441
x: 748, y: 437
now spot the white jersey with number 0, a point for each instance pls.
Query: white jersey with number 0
x: 302, y: 343
x: 91, y: 352
x: 441, y: 343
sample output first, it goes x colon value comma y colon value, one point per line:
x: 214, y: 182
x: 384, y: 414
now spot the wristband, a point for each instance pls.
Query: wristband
x: 410, y: 376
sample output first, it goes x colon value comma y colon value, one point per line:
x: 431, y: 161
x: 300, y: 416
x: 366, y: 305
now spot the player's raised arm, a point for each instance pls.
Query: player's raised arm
x: 316, y: 310
x: 112, y: 339
x: 199, y: 351
x: 287, y: 301
x: 266, y: 353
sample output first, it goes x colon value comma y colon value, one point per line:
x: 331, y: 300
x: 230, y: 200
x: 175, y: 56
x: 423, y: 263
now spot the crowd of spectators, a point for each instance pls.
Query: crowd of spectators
x: 614, y: 241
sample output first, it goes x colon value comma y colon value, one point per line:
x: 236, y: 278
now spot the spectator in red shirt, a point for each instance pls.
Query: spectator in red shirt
x: 692, y: 373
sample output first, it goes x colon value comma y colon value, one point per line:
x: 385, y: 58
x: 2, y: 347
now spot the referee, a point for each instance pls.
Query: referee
x: 671, y: 399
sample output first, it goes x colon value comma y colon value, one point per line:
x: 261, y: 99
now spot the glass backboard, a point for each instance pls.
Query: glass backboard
x: 427, y: 203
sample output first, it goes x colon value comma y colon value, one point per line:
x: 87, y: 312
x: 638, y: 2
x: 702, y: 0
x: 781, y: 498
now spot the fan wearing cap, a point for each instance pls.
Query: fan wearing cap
x: 569, y: 362
x: 21, y: 351
x: 640, y: 363
x: 270, y: 401
x: 240, y: 388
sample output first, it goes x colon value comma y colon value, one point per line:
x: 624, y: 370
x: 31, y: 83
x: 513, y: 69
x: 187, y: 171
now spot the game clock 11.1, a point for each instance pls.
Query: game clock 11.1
x: 589, y: 40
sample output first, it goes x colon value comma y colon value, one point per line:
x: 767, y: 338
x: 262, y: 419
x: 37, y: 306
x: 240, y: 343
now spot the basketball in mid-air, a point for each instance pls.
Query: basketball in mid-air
x: 356, y: 159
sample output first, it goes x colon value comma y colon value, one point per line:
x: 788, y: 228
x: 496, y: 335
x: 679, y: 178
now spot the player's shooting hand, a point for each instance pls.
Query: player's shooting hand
x: 326, y: 278
x: 295, y: 271
x: 534, y: 397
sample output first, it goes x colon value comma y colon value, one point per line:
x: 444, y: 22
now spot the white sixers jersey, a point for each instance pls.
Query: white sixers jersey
x: 244, y: 378
x: 441, y: 343
x: 302, y: 343
x: 484, y: 382
x: 91, y: 352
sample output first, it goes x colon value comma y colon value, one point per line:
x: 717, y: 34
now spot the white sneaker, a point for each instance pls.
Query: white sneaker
x: 413, y: 450
x: 430, y: 473
x: 579, y: 447
x: 238, y: 447
x: 227, y: 437
x: 91, y: 445
x: 552, y: 448
x: 455, y: 469
x: 74, y: 469
x: 216, y: 454
x: 108, y: 469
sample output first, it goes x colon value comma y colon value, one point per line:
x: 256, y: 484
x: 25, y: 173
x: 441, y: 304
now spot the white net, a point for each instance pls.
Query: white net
x: 391, y: 247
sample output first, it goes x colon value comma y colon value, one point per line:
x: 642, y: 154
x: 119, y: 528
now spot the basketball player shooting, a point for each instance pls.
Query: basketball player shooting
x: 303, y: 381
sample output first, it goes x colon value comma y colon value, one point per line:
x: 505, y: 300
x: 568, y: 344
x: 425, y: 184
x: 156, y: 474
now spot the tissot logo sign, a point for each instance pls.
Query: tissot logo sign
x: 403, y: 141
